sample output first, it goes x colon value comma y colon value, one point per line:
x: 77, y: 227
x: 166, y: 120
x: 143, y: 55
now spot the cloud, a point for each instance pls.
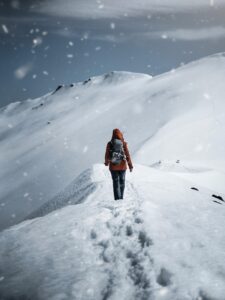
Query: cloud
x: 192, y: 34
x: 111, y: 38
x: 102, y: 9
x: 189, y: 34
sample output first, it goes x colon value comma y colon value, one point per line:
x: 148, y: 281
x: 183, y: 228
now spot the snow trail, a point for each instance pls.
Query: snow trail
x: 151, y: 245
x: 126, y: 254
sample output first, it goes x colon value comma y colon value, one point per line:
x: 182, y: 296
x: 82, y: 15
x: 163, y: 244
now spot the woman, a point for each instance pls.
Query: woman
x: 117, y: 156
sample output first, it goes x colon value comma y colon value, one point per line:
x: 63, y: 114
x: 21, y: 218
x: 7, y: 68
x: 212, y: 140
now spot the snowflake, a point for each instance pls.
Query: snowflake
x: 22, y: 71
x: 164, y: 36
x: 85, y: 149
x: 37, y: 41
x: 5, y: 28
x: 112, y: 25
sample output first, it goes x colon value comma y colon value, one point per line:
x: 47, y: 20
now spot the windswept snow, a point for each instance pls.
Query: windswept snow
x: 47, y: 142
x: 163, y: 241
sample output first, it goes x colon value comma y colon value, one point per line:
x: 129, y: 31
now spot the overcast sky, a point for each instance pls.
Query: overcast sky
x: 50, y: 42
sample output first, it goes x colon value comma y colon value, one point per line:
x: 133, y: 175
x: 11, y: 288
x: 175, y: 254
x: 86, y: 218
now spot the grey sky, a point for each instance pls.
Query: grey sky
x: 46, y: 43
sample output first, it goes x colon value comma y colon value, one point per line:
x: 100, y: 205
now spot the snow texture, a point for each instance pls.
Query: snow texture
x: 166, y: 239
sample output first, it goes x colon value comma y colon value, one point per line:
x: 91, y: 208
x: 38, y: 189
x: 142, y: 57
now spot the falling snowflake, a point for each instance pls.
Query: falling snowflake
x: 71, y: 43
x: 45, y: 73
x: 37, y: 41
x: 22, y: 71
x: 206, y: 96
x: 85, y: 36
x: 5, y: 28
x: 98, y: 48
x: 112, y: 25
x: 85, y: 149
x: 70, y: 55
x: 164, y: 36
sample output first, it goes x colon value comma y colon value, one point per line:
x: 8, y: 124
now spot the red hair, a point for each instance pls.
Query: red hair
x: 117, y: 134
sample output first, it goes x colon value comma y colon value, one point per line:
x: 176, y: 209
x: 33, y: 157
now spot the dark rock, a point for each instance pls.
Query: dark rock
x: 194, y: 188
x: 217, y: 202
x: 86, y: 81
x: 218, y: 197
x: 36, y: 107
x: 57, y: 89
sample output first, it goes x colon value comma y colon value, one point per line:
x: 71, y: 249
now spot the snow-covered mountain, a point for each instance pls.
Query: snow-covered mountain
x: 47, y: 142
x: 166, y: 239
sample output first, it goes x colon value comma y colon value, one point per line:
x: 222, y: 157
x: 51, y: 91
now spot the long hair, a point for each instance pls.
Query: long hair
x: 117, y: 134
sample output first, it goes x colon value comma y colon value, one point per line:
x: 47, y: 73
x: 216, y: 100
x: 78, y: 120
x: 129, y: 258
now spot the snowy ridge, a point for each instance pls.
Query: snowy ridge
x: 74, y: 193
x: 152, y: 245
x: 47, y: 142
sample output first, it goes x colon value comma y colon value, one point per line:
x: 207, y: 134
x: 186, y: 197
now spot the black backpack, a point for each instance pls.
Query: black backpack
x: 116, y: 151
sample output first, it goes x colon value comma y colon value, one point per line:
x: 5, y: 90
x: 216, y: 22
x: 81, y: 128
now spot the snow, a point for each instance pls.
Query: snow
x: 37, y: 41
x: 163, y: 118
x: 23, y: 71
x: 5, y: 28
x: 112, y: 25
x: 164, y: 241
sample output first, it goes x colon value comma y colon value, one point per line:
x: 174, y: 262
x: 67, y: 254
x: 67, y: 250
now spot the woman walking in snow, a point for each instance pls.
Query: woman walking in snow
x: 117, y: 157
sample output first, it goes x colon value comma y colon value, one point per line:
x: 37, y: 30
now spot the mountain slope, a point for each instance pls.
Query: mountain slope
x: 48, y: 141
x: 164, y: 241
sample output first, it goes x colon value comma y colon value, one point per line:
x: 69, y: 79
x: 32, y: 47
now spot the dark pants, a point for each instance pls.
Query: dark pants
x: 118, y: 178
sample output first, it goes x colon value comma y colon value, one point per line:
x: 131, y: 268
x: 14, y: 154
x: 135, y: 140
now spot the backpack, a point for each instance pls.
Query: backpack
x: 116, y: 151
